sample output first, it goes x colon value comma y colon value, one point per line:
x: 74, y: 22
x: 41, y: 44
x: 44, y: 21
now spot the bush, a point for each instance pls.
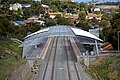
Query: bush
x: 108, y: 69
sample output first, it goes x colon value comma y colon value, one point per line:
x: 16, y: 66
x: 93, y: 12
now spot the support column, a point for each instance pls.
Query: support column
x: 96, y: 45
x: 24, y: 51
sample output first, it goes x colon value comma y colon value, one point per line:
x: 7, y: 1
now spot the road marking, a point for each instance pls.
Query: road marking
x: 60, y: 68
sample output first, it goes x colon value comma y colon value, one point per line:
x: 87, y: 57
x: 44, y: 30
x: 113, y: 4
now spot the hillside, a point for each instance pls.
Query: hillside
x: 108, y: 68
x: 10, y: 58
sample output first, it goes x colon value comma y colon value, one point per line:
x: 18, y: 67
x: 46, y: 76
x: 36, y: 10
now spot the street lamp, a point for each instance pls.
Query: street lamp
x: 118, y: 40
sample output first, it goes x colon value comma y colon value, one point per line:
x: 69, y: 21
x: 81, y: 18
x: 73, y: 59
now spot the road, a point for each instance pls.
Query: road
x: 60, y: 63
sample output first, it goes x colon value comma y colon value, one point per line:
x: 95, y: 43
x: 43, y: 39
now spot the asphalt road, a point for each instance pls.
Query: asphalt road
x: 60, y: 63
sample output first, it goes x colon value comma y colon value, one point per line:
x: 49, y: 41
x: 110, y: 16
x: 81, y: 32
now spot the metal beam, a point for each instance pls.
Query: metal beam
x: 96, y: 45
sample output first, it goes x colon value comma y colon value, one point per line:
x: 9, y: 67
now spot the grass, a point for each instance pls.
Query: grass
x: 10, y: 55
x: 107, y: 69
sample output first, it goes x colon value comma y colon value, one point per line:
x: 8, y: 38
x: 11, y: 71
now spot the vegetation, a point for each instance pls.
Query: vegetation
x: 83, y: 22
x: 69, y: 7
x: 8, y: 30
x: 10, y: 54
x: 14, y: 1
x: 10, y: 57
x: 35, y: 9
x: 107, y: 69
x: 110, y: 28
x: 5, y: 27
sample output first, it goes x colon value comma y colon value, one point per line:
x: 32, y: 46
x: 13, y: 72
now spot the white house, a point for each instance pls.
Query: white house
x: 40, y: 22
x: 26, y: 5
x: 53, y: 14
x: 97, y: 9
x: 15, y: 6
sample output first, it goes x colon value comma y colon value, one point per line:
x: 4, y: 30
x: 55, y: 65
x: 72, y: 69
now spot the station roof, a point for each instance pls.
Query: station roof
x: 59, y: 30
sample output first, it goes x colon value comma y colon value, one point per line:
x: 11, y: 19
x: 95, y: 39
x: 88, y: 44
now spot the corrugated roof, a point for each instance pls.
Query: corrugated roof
x: 40, y: 37
x: 61, y: 30
x: 28, y: 21
x: 20, y: 22
x: 84, y: 33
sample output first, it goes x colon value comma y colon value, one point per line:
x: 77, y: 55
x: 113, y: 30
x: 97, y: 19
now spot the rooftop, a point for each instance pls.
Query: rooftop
x: 72, y: 17
x: 55, y: 13
x: 4, y: 15
x: 59, y: 30
x: 93, y: 15
x: 20, y: 22
x: 28, y: 21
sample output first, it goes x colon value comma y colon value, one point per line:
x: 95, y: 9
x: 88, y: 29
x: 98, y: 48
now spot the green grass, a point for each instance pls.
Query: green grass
x: 108, y: 69
x: 10, y: 55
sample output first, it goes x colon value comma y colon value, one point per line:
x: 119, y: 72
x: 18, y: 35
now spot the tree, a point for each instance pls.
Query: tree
x: 35, y: 9
x: 83, y: 22
x: 104, y: 23
x: 62, y: 20
x: 82, y: 16
x: 106, y: 16
x: 82, y: 6
x: 50, y: 22
x: 111, y: 32
x: 6, y: 28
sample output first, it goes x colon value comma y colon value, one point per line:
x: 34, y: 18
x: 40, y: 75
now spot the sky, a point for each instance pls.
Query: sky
x: 95, y: 0
x: 91, y: 0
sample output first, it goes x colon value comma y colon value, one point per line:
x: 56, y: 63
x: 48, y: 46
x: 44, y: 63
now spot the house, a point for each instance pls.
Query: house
x: 17, y: 23
x: 108, y: 6
x: 46, y: 8
x: 73, y: 18
x: 53, y: 14
x: 4, y: 15
x: 96, y: 9
x: 25, y: 4
x: 91, y: 16
x: 32, y: 20
x: 39, y: 22
x: 107, y: 10
x: 28, y: 21
x: 15, y: 6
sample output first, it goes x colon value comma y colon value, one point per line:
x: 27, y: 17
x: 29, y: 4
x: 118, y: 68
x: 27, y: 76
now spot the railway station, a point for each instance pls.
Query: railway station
x: 56, y: 49
x: 36, y: 41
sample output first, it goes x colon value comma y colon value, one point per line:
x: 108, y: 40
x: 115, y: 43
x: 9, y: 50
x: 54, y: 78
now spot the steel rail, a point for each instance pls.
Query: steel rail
x: 68, y: 68
x: 54, y: 59
x: 46, y: 65
x: 73, y: 59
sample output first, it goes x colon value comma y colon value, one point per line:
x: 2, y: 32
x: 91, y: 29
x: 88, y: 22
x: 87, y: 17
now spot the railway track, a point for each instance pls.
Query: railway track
x: 68, y: 68
x: 70, y: 51
x: 50, y: 58
x: 60, y: 62
x: 54, y: 60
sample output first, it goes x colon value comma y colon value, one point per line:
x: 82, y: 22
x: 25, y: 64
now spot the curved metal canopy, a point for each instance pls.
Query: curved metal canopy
x: 59, y: 30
